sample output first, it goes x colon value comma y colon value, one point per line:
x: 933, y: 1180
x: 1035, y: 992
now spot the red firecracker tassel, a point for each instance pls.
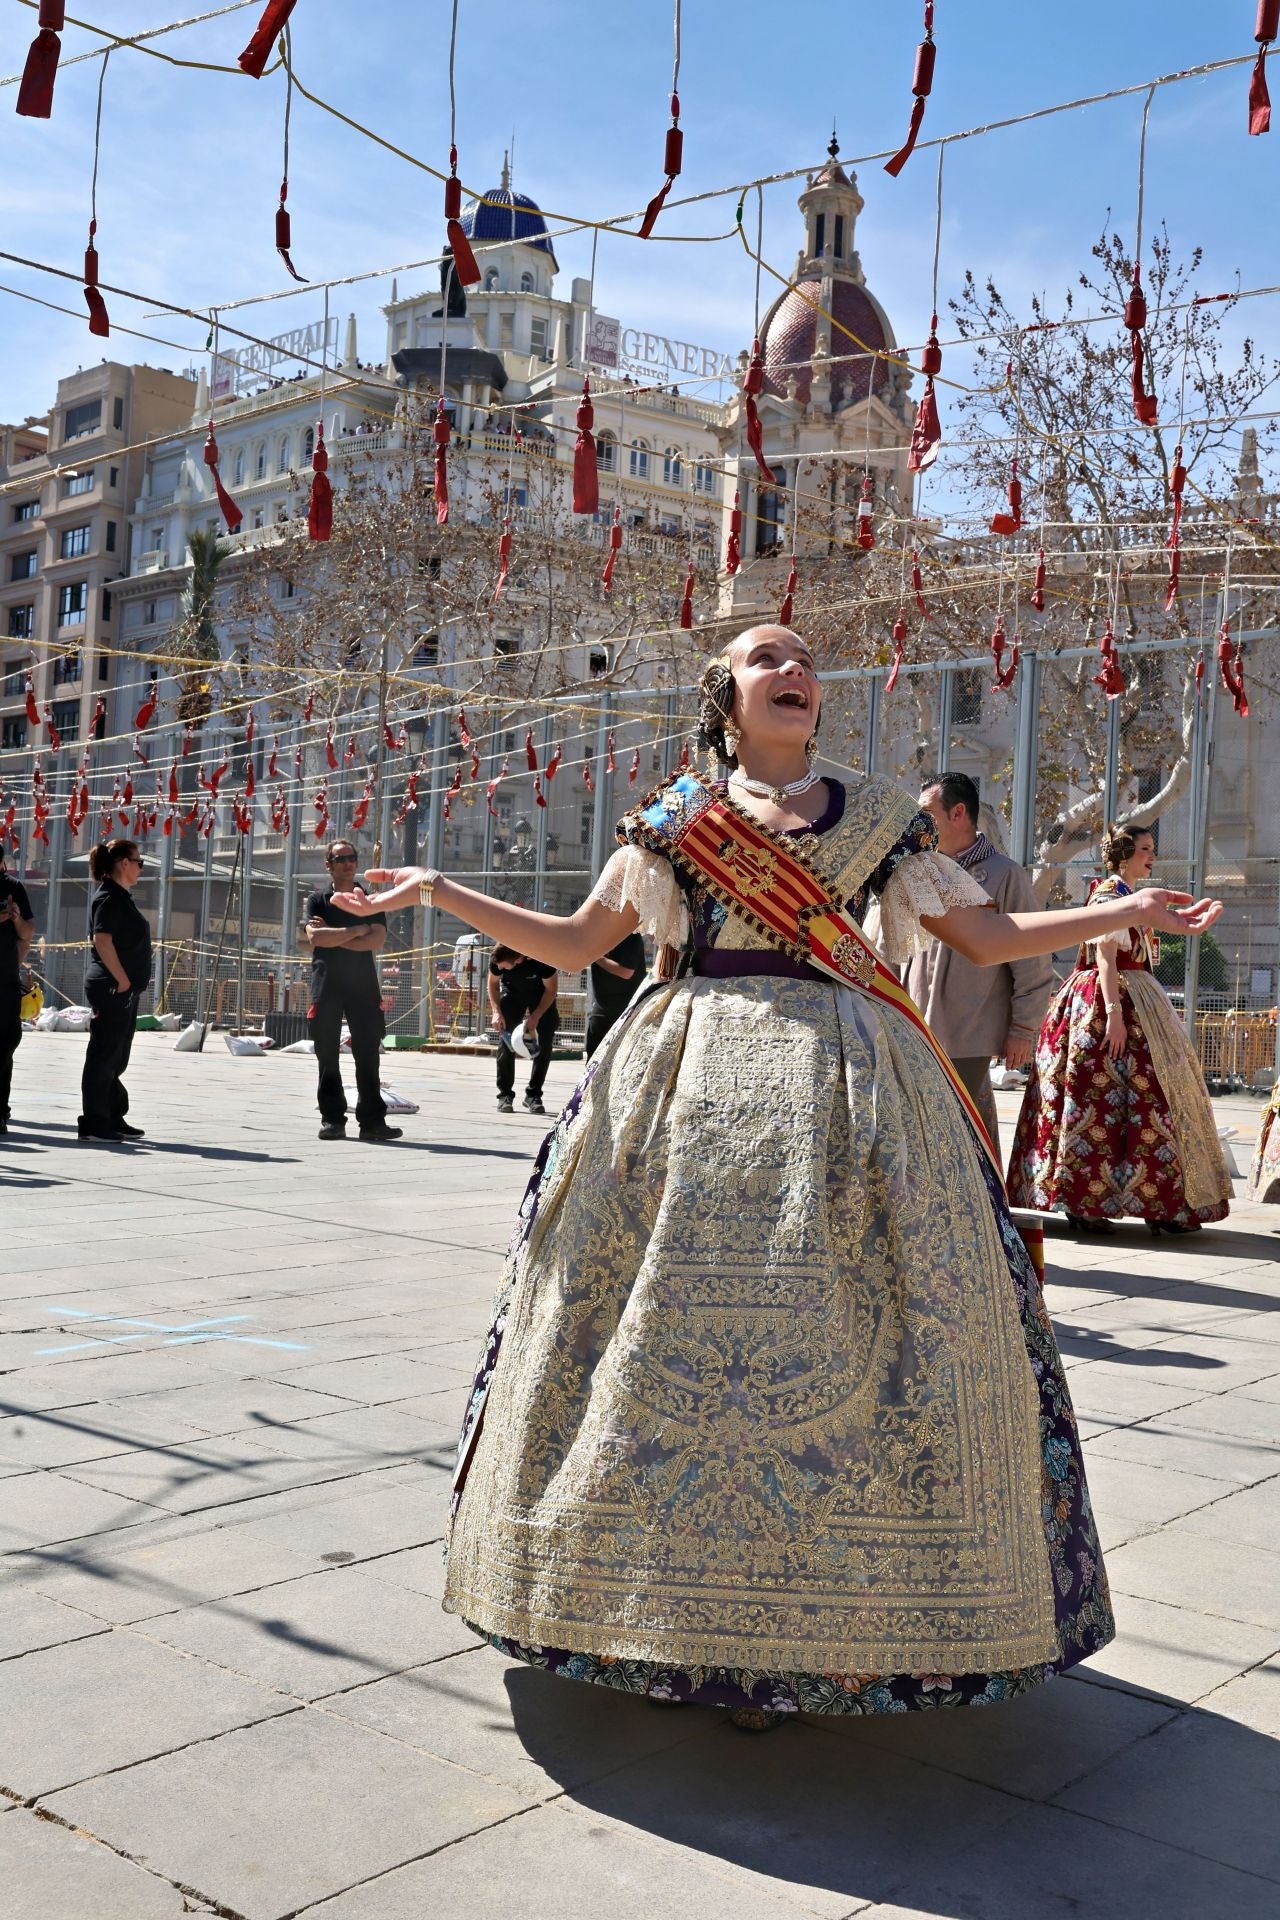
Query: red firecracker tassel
x: 361, y: 812
x: 230, y: 511
x: 135, y: 747
x: 35, y: 94
x: 214, y: 780
x: 320, y: 505
x: 188, y: 739
x: 297, y: 761
x: 284, y: 234
x: 250, y: 783
x: 1266, y: 29
x: 1135, y: 319
x: 321, y: 805
x: 349, y: 752
x: 273, y: 770
x: 926, y: 433
x: 530, y: 752
x: 464, y: 731
x: 127, y: 796
x: 98, y: 723
x: 788, y: 606
x: 672, y: 157
x: 633, y: 771
x: 752, y: 386
x: 899, y: 645
x: 553, y: 765
x: 504, y: 556
x: 921, y: 86
x: 310, y: 706
x: 586, y: 476
x: 733, y: 546
x: 1199, y: 677
x: 1009, y: 523
x: 146, y: 712
x: 475, y: 763
x: 330, y: 751
x: 1231, y: 667
x: 1109, y: 677
x: 587, y: 781
x: 539, y: 796
x: 685, y: 756
x: 174, y: 794
x: 917, y: 585
x: 610, y: 762
x: 33, y: 711
x: 55, y: 738
x: 440, y: 435
x: 1004, y: 675
x: 615, y: 548
x: 250, y: 728
x: 255, y: 56
x: 1175, y: 575
x: 1037, y: 590
x: 866, y: 534
x: 493, y: 786
x: 99, y: 322
x: 686, y: 602
x: 465, y: 270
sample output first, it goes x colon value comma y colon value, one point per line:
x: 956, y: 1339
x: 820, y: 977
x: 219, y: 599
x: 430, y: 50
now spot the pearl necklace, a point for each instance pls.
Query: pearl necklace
x: 763, y: 791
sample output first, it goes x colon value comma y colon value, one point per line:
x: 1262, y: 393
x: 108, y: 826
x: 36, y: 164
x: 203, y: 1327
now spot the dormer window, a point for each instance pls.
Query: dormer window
x: 491, y: 280
x: 526, y: 283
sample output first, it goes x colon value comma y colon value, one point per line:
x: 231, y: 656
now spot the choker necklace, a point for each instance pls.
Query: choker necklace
x: 763, y: 790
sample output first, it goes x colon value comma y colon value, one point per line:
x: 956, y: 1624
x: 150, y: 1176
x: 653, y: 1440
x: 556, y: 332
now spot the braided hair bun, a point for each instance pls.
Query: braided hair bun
x: 716, y: 691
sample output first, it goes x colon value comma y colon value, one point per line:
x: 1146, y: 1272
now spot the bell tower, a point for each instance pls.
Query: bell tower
x: 830, y: 204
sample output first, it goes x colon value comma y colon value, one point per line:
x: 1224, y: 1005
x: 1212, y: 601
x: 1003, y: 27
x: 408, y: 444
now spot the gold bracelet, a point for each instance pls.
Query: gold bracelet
x: 427, y: 886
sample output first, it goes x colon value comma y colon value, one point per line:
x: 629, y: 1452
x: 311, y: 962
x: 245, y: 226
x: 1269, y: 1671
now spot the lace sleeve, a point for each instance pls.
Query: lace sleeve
x: 643, y: 880
x: 923, y: 883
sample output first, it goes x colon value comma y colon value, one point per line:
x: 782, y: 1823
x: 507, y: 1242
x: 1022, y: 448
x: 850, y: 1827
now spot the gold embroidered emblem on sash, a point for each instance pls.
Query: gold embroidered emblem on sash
x: 853, y: 959
x: 754, y: 869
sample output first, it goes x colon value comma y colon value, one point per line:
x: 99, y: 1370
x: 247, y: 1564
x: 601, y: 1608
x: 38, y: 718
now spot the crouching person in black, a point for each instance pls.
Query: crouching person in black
x: 522, y: 994
x: 344, y: 985
x: 118, y: 974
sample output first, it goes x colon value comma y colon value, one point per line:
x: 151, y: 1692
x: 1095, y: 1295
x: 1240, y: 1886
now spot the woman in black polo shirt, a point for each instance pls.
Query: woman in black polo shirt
x: 119, y: 972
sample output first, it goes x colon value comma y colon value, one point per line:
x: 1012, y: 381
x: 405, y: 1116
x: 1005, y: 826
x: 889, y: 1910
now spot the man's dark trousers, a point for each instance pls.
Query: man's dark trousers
x: 10, y: 1038
x: 547, y: 1028
x: 367, y: 1024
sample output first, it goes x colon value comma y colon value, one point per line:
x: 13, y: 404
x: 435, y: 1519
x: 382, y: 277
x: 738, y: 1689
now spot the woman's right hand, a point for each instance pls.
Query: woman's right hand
x: 1117, y: 1035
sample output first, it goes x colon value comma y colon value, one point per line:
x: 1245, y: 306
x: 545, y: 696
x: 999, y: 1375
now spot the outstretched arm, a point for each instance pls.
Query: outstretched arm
x: 567, y: 942
x: 989, y: 938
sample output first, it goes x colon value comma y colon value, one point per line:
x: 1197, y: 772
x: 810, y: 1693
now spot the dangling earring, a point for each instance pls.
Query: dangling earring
x: 731, y: 739
x: 811, y: 748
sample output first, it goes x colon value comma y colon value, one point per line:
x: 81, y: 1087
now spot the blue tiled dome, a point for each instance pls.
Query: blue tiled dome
x: 503, y: 215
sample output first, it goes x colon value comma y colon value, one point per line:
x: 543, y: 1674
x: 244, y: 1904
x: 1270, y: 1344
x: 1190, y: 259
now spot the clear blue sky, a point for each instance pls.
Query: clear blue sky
x: 191, y: 162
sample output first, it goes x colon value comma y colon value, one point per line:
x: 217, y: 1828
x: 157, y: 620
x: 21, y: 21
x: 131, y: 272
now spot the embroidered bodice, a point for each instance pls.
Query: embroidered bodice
x: 1134, y: 949
x: 871, y: 842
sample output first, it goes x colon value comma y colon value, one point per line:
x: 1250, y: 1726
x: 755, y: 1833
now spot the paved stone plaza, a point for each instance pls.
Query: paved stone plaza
x: 232, y: 1362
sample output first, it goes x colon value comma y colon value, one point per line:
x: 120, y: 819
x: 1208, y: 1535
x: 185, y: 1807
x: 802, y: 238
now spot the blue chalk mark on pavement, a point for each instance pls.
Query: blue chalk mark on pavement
x: 188, y: 1334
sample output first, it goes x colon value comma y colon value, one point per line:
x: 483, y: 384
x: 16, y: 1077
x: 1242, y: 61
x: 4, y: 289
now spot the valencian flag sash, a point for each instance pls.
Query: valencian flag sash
x: 760, y: 876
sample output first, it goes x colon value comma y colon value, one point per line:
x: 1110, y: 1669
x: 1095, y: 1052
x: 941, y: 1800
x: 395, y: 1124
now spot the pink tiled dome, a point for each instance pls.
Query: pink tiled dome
x: 788, y: 335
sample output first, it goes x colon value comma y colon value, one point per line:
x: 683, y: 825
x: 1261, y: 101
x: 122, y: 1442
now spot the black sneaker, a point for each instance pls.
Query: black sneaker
x: 532, y: 1103
x: 334, y: 1130
x: 506, y: 1103
x: 382, y: 1132
x: 97, y: 1133
x: 130, y: 1133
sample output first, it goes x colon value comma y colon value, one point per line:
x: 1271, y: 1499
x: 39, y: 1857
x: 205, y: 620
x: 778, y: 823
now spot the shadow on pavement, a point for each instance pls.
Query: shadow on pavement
x: 1080, y: 1799
x: 150, y: 1145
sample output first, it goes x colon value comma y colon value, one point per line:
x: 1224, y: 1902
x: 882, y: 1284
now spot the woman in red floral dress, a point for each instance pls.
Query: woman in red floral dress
x: 1115, y: 1120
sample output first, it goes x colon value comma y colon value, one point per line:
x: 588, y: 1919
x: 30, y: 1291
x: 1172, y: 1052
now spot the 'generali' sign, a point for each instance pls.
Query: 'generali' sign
x: 631, y: 350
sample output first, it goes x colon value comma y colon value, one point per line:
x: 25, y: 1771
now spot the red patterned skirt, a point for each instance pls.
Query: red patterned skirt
x: 1096, y: 1137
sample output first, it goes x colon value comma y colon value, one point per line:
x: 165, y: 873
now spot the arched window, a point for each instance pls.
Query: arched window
x: 606, y: 452
x: 640, y: 460
x: 526, y: 283
x: 282, y: 454
x: 237, y: 471
x: 260, y: 461
x: 672, y: 469
x: 308, y: 445
x: 491, y: 280
x: 704, y: 477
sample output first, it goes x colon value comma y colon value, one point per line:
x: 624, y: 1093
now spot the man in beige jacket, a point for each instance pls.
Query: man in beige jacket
x: 979, y: 1012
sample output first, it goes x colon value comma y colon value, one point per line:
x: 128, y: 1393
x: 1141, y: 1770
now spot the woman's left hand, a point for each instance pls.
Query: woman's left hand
x: 1172, y: 912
